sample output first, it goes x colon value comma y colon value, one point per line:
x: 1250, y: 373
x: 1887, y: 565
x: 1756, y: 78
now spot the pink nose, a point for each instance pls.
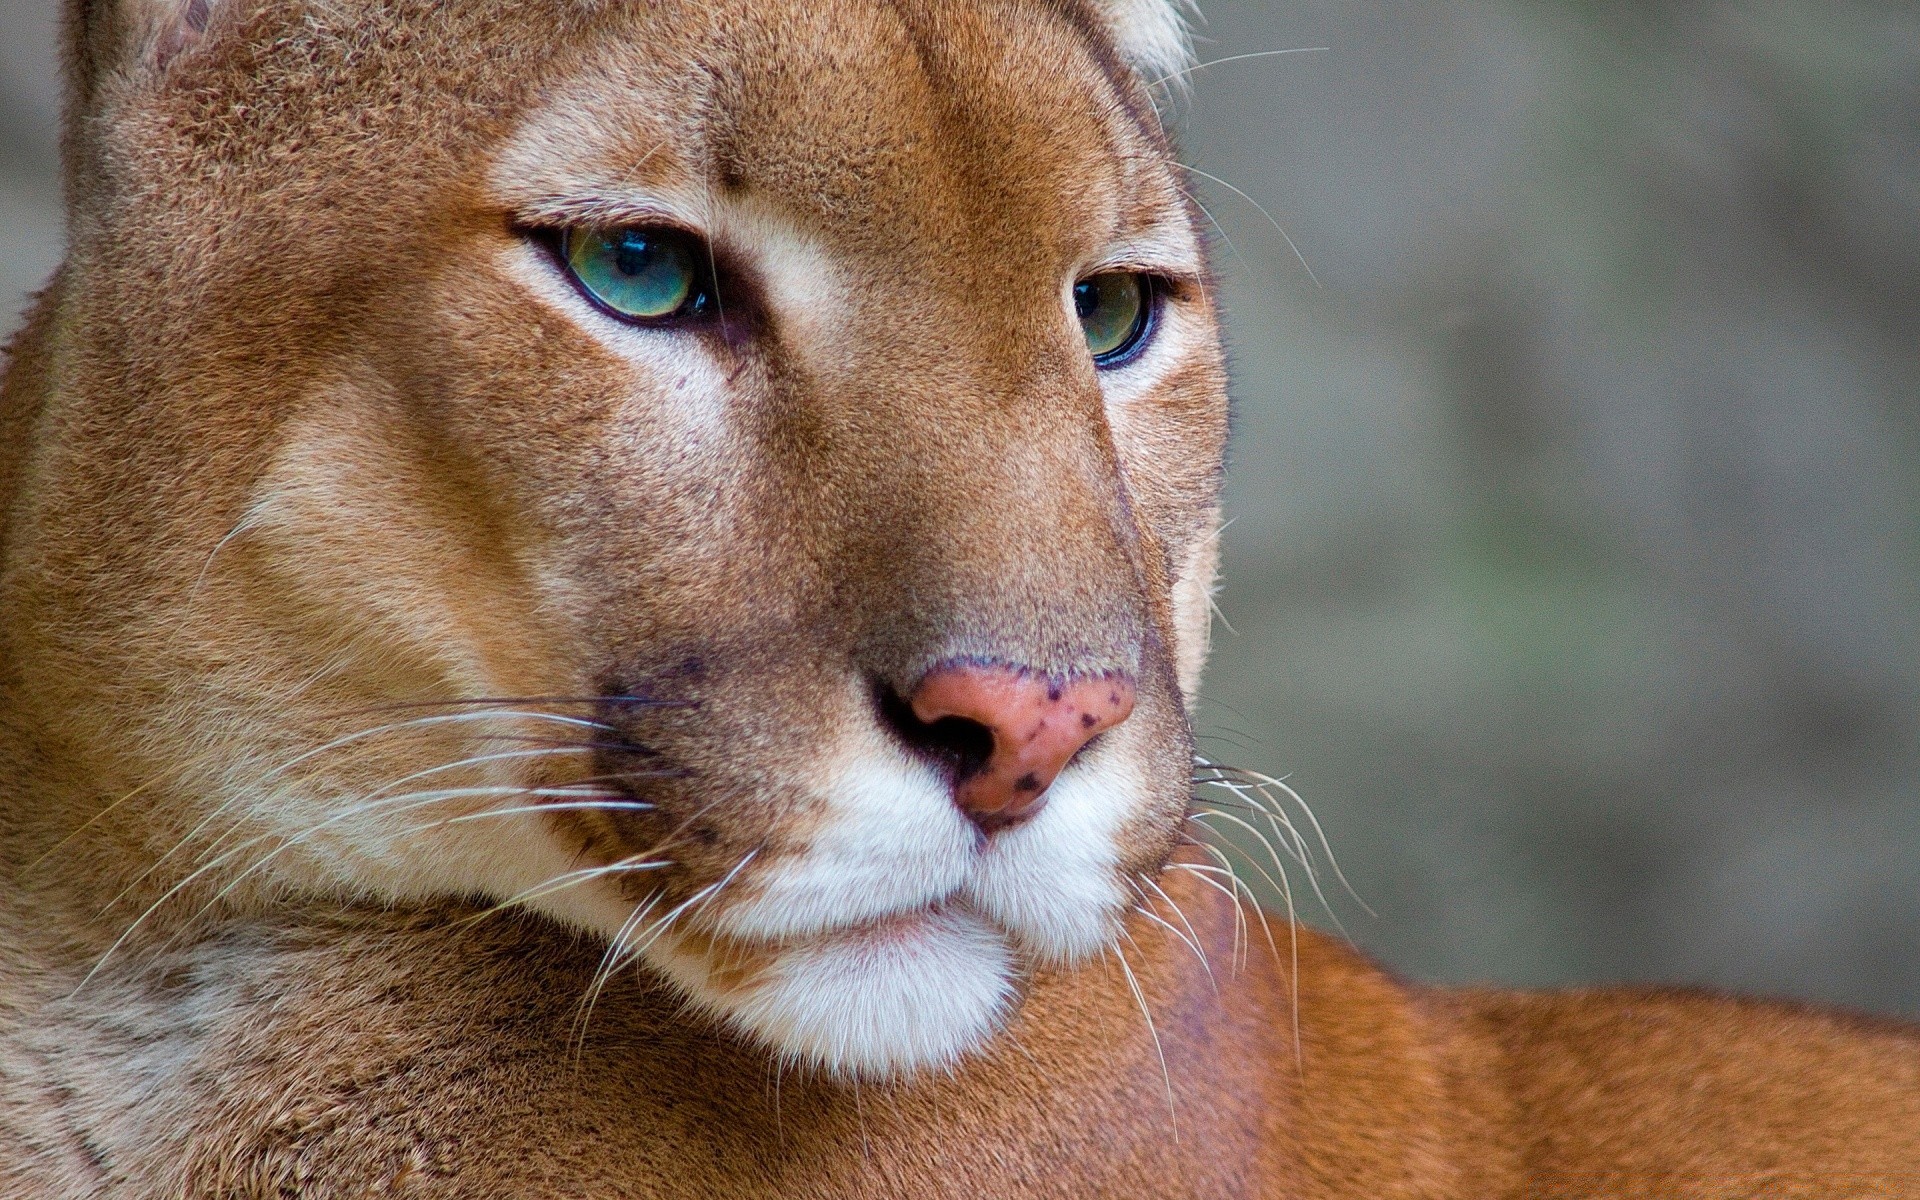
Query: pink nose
x: 1036, y: 724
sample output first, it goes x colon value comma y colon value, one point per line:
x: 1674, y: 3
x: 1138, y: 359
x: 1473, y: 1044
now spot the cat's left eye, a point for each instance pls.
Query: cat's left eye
x: 1115, y: 309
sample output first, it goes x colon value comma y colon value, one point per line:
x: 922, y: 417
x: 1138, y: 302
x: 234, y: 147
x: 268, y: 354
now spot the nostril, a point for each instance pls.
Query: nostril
x: 963, y: 745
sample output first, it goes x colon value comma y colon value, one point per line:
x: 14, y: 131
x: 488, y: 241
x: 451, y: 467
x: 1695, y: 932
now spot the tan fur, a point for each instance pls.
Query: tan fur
x: 308, y: 440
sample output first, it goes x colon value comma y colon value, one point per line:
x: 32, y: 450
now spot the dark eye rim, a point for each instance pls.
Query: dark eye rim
x: 1153, y: 289
x: 702, y: 306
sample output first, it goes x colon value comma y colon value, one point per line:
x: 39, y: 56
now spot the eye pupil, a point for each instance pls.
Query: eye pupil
x: 635, y: 254
x: 639, y: 274
x: 1115, y: 309
x: 1086, y: 298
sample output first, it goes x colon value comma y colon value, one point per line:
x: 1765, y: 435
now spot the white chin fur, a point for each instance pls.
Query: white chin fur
x: 854, y: 957
x: 875, y: 1002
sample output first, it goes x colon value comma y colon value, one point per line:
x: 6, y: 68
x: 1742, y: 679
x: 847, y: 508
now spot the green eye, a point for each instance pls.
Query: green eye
x: 640, y: 273
x: 1114, y: 310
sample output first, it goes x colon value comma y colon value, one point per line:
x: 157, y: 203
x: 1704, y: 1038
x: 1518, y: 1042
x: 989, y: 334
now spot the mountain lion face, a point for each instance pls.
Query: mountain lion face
x: 739, y: 478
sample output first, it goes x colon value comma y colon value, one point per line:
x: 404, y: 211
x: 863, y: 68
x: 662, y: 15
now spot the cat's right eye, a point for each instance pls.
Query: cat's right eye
x: 1115, y: 309
x: 640, y: 273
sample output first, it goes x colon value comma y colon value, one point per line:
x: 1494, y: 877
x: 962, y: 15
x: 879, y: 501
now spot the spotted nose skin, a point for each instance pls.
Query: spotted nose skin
x: 1037, y: 724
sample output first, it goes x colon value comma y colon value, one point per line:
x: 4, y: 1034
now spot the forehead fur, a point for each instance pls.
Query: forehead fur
x: 895, y: 125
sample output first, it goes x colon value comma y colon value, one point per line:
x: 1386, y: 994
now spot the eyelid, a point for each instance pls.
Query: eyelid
x: 606, y: 212
x: 1167, y: 283
x: 1164, y: 253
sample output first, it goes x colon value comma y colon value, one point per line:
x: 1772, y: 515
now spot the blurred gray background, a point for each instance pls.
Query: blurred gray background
x: 1574, y: 572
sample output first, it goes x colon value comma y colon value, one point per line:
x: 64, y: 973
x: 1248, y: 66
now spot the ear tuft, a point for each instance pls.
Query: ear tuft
x: 1151, y: 34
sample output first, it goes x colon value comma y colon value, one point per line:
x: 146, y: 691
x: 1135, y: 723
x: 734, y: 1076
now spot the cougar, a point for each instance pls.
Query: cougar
x: 601, y: 598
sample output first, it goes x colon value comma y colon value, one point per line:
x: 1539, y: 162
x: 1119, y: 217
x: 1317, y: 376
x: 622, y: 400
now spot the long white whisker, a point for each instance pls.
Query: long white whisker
x: 1281, y: 229
x: 564, y: 806
x: 1239, y: 909
x: 1326, y: 846
x: 629, y: 954
x: 228, y: 804
x: 1140, y: 998
x: 1297, y: 848
x: 1253, y: 801
x: 559, y: 883
x: 1272, y: 854
x: 408, y: 801
x: 604, y: 970
x: 1193, y: 935
x: 437, y: 719
x: 1225, y: 865
x: 1163, y: 923
x: 1231, y: 58
x: 381, y: 796
x: 1293, y: 933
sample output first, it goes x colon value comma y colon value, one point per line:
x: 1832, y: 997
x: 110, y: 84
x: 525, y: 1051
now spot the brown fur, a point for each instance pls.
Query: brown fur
x: 308, y: 438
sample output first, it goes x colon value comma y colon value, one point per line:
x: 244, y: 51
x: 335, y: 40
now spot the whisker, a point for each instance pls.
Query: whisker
x: 617, y: 747
x: 1293, y: 933
x: 432, y: 721
x: 1224, y: 865
x: 1140, y: 998
x: 1272, y: 854
x: 1239, y: 909
x: 1281, y: 785
x: 1144, y: 908
x: 378, y: 799
x: 419, y: 722
x: 1231, y: 58
x: 1162, y: 922
x: 91, y: 821
x: 474, y: 760
x: 1278, y: 821
x: 1279, y: 228
x: 626, y: 955
x: 1212, y: 220
x: 584, y: 1012
x: 559, y: 883
x: 247, y: 521
x: 407, y: 802
x: 1289, y: 836
x: 521, y: 810
x: 1192, y: 934
x: 704, y: 897
x: 618, y: 701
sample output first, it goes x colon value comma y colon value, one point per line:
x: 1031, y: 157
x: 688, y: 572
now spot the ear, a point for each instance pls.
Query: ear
x: 110, y: 44
x: 110, y: 37
x: 1151, y: 34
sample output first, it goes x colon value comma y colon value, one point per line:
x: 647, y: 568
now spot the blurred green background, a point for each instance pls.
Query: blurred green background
x: 1574, y: 569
